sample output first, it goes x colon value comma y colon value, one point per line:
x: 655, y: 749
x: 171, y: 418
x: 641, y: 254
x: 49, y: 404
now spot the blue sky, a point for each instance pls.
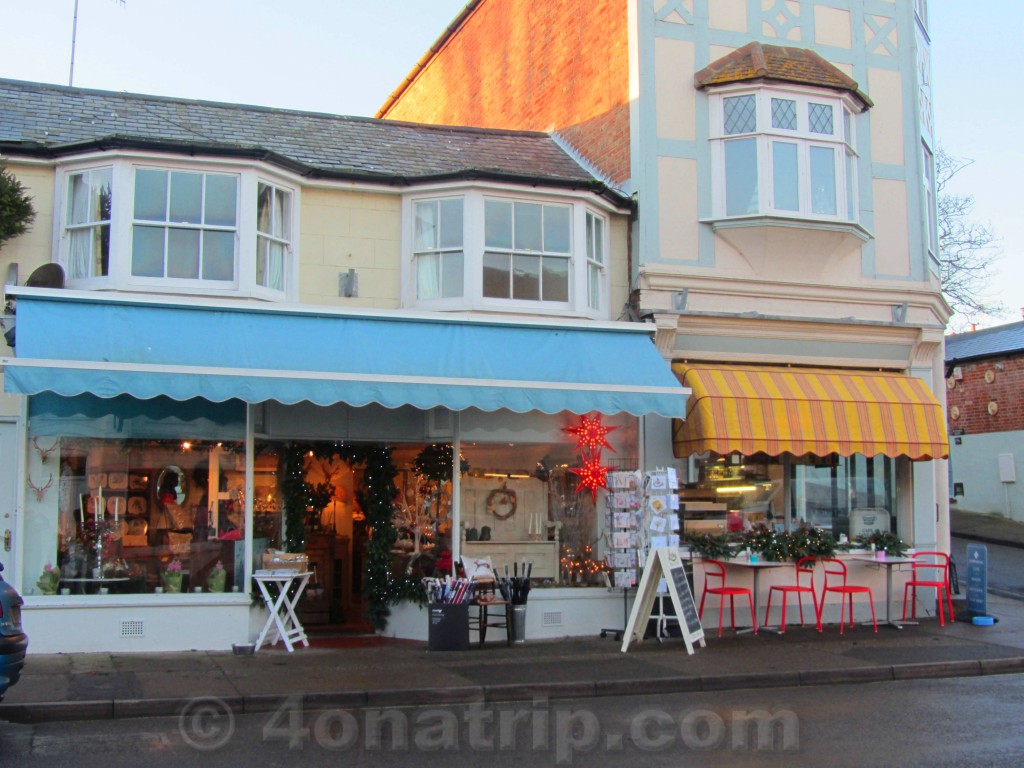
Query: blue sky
x: 346, y: 56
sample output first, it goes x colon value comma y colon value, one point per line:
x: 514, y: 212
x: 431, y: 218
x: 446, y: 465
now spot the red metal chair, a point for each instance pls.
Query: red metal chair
x: 930, y: 571
x: 804, y: 585
x: 835, y: 581
x: 714, y: 570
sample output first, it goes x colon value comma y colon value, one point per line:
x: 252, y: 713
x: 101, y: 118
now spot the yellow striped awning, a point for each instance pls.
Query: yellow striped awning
x: 760, y: 409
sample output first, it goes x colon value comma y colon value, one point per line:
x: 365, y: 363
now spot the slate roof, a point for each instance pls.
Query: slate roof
x: 988, y: 342
x: 776, y: 63
x: 52, y: 121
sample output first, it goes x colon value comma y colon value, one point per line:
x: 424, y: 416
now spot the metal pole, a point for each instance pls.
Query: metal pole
x: 74, y: 30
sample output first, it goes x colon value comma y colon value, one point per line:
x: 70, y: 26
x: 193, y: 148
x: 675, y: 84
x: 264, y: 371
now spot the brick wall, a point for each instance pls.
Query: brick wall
x: 534, y: 65
x: 972, y: 394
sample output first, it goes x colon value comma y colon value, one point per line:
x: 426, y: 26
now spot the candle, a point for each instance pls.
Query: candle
x: 116, y: 501
x: 81, y: 509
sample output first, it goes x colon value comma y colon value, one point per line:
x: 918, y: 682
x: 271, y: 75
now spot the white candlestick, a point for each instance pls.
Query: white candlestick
x: 116, y: 502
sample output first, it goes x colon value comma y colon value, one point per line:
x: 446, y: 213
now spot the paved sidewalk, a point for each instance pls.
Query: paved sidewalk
x: 368, y: 671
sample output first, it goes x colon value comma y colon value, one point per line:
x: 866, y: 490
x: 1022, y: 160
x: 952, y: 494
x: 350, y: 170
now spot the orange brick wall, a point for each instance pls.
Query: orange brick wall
x: 972, y: 394
x: 534, y: 65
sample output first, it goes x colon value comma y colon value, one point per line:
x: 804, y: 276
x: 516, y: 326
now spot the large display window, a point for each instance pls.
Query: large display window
x: 848, y: 496
x: 130, y: 497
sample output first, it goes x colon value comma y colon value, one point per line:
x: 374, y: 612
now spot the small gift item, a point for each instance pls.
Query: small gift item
x: 171, y: 576
x: 49, y: 581
x: 216, y: 579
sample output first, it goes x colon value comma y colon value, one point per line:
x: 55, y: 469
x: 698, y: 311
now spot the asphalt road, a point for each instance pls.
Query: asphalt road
x: 936, y: 723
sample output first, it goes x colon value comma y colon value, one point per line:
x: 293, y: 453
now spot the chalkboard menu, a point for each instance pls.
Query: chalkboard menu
x: 689, y: 608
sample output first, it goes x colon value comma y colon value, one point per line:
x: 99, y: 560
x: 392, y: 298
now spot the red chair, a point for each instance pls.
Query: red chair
x: 835, y: 581
x: 714, y: 570
x: 930, y: 571
x: 804, y: 585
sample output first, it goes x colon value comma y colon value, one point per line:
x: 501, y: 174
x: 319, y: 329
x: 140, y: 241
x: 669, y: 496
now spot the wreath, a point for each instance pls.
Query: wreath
x: 501, y: 503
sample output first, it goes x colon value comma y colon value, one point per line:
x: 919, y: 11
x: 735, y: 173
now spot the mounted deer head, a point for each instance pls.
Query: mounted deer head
x: 40, y: 492
x: 44, y: 453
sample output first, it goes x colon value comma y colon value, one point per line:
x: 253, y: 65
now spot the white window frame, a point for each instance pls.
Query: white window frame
x: 473, y: 244
x: 124, y: 166
x: 931, y: 224
x: 842, y: 142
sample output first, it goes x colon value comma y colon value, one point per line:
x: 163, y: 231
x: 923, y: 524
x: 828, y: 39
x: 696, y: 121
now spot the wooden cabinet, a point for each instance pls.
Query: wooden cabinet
x: 325, y: 599
x: 543, y: 555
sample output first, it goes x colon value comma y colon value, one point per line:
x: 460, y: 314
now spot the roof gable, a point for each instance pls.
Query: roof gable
x: 776, y: 63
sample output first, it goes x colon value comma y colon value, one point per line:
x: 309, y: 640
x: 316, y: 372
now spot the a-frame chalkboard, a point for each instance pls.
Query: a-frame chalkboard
x: 664, y: 561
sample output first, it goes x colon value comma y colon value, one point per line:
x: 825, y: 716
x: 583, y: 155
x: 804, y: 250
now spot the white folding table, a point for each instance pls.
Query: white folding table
x: 282, y: 623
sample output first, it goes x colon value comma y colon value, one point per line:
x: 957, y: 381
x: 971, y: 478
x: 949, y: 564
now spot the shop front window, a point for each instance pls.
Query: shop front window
x: 845, y: 495
x: 520, y: 505
x: 125, y: 497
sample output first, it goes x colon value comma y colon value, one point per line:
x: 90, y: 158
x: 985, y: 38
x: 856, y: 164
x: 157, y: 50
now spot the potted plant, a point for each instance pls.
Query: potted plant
x: 216, y: 579
x: 709, y: 545
x: 49, y: 580
x: 171, y: 576
x: 883, y: 541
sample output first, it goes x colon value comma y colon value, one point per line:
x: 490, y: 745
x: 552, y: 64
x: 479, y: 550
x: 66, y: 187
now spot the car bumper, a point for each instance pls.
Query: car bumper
x: 12, y: 658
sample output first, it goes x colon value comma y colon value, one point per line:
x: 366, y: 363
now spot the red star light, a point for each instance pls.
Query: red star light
x: 590, y: 435
x: 592, y: 475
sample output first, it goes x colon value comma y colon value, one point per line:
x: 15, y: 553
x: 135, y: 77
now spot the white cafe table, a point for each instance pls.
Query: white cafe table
x: 888, y: 562
x: 282, y: 623
x: 756, y: 567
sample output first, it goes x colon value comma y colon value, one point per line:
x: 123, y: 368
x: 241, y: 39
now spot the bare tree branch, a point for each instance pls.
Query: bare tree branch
x: 967, y: 249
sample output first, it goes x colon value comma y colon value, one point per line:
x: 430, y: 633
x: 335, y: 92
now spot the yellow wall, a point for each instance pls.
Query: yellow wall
x: 350, y: 230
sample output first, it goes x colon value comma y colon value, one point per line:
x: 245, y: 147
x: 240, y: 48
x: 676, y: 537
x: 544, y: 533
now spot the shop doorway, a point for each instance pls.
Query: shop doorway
x: 9, y: 457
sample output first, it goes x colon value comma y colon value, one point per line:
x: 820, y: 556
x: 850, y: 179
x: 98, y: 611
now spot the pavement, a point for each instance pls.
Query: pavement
x: 353, y: 671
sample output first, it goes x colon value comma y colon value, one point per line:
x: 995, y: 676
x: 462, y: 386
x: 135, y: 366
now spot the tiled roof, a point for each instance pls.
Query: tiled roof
x: 51, y: 120
x: 988, y: 342
x: 756, y: 61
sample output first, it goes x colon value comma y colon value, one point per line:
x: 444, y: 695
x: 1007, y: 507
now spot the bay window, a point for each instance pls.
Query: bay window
x: 215, y: 230
x: 274, y: 235
x: 486, y: 250
x: 437, y: 249
x: 184, y: 225
x: 784, y: 153
x: 87, y: 223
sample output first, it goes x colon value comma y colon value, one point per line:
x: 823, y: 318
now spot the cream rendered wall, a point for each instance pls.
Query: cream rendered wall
x: 344, y: 230
x: 891, y: 234
x: 832, y: 27
x: 618, y: 233
x: 729, y: 15
x: 31, y: 250
x: 675, y: 103
x: 678, y: 193
x: 886, y: 116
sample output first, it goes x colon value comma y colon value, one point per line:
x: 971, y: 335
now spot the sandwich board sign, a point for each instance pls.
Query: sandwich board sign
x: 664, y: 562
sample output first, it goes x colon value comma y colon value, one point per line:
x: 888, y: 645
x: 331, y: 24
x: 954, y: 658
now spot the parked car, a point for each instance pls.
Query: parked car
x: 13, y: 640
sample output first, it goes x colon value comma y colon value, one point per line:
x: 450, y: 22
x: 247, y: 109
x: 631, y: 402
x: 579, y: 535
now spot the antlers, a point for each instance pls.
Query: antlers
x: 40, y: 492
x: 44, y: 453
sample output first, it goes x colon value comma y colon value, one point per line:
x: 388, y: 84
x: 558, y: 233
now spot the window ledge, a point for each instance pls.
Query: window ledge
x: 769, y: 220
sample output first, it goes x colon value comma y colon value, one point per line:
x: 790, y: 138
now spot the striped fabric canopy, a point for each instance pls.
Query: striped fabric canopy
x: 755, y: 409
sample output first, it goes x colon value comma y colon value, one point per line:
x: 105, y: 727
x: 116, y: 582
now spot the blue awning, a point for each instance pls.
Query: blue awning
x: 72, y: 342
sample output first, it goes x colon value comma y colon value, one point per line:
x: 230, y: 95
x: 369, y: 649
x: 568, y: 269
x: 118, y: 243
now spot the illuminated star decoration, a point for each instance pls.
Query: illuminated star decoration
x: 592, y: 475
x: 590, y: 435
